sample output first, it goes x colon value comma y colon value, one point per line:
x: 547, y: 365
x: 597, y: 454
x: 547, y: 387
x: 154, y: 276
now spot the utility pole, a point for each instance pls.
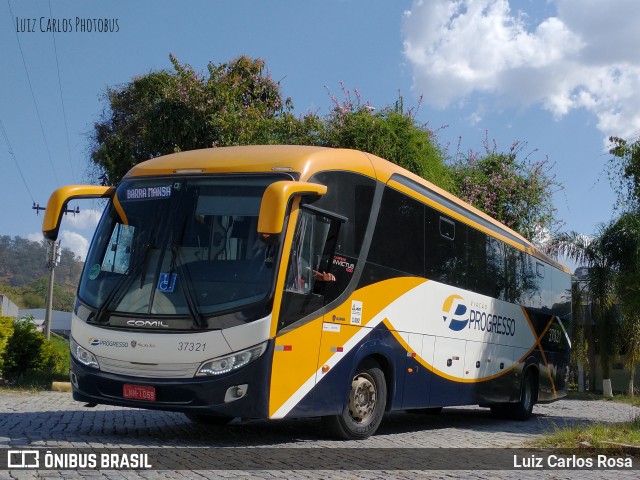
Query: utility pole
x: 52, y: 261
x: 53, y: 258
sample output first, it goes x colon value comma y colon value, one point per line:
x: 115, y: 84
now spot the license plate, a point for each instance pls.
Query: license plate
x: 139, y: 392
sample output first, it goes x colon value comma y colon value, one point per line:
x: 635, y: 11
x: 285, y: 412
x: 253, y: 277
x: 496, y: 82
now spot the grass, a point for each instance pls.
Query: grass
x: 616, y: 436
x: 37, y: 381
x: 617, y: 398
x: 598, y: 435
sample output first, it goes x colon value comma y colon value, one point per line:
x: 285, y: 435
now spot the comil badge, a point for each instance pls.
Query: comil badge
x: 455, y: 312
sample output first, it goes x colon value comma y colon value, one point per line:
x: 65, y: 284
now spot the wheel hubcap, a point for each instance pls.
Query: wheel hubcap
x: 362, y: 399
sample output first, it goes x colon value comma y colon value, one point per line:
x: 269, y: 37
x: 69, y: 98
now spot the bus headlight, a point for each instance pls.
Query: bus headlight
x: 228, y: 363
x: 83, y: 355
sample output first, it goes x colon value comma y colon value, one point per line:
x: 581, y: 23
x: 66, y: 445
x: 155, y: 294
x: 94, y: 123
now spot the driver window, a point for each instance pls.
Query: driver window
x: 117, y: 257
x: 306, y: 252
x: 309, y: 263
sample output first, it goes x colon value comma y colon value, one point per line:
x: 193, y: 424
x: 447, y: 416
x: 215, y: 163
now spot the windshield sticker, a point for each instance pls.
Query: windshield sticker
x: 167, y: 283
x: 147, y: 193
x: 94, y: 272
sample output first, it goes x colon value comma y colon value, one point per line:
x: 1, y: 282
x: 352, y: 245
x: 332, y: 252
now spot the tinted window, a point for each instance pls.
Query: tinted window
x: 398, y: 239
x: 349, y: 195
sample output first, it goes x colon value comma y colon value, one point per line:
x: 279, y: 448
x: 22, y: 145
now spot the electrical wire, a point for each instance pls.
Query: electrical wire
x: 6, y: 139
x: 26, y: 71
x: 64, y: 113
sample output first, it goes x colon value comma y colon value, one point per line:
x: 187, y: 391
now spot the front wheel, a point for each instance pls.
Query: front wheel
x: 365, y: 407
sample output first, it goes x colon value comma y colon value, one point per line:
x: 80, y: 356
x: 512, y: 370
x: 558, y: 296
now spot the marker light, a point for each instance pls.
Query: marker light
x: 228, y: 363
x: 83, y: 355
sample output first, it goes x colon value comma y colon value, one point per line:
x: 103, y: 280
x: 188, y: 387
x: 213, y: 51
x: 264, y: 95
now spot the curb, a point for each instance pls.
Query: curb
x: 61, y: 386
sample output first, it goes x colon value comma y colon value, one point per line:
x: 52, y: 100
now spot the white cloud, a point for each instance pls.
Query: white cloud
x: 86, y: 219
x: 74, y: 242
x: 587, y: 56
x: 35, y: 237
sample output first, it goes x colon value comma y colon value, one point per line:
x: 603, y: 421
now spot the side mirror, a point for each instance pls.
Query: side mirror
x: 59, y: 200
x: 275, y: 201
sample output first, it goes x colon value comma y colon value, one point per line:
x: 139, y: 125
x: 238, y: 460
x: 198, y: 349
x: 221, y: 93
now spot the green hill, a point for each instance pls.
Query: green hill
x: 24, y: 274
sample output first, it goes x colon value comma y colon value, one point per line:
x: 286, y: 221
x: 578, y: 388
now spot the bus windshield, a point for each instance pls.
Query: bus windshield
x: 179, y: 247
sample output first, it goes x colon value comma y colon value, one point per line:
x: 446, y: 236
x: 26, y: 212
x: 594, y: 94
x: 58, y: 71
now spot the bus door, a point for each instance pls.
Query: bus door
x: 300, y: 323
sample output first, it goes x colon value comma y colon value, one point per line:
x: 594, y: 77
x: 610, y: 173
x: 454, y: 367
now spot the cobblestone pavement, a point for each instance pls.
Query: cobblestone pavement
x: 54, y: 420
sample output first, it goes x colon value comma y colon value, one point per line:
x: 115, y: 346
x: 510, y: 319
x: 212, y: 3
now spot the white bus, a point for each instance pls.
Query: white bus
x: 288, y: 281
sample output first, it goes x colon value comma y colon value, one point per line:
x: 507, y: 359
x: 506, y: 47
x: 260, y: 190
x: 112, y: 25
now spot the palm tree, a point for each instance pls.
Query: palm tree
x: 623, y: 244
x: 594, y: 253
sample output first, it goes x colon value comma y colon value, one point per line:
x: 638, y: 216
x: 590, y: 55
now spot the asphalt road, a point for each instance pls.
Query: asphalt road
x: 52, y: 420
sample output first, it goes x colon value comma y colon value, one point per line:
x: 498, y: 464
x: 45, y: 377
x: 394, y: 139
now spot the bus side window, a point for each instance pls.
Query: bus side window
x: 312, y: 251
x: 447, y: 228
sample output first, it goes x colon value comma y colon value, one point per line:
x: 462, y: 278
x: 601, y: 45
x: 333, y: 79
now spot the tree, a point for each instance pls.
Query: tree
x: 237, y: 103
x: 623, y: 244
x: 391, y: 133
x: 596, y: 253
x: 516, y: 191
x: 166, y: 112
x: 624, y: 172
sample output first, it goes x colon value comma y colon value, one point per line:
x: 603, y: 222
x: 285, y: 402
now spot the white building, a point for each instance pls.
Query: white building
x: 7, y: 307
x: 60, y: 321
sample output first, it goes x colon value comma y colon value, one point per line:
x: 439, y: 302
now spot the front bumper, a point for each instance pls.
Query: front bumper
x: 205, y: 395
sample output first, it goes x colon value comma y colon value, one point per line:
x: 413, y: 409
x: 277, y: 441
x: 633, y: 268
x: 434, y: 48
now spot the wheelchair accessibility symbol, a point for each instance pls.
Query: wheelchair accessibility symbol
x: 167, y: 283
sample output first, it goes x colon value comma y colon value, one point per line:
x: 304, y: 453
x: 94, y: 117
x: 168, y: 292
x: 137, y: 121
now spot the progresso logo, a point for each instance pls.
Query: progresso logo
x: 475, y: 316
x: 107, y: 343
x: 455, y: 312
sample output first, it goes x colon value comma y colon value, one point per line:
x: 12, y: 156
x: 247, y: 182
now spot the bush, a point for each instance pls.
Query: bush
x: 6, y: 331
x: 27, y: 353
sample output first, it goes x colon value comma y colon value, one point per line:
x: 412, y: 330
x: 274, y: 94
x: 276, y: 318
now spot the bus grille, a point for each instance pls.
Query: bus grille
x: 150, y: 370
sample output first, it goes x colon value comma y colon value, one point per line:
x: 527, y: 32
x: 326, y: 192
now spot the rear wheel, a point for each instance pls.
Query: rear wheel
x: 522, y: 409
x: 365, y: 407
x: 204, y: 419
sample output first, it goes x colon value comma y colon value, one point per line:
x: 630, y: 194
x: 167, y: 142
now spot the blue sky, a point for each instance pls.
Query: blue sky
x: 560, y: 75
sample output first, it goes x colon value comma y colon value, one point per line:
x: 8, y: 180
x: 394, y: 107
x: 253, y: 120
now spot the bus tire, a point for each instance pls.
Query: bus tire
x: 204, y: 419
x: 522, y: 409
x: 365, y: 407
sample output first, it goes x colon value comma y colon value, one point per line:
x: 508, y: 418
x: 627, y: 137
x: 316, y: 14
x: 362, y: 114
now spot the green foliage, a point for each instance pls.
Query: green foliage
x: 22, y: 261
x: 24, y: 276
x: 34, y: 295
x: 578, y: 341
x: 624, y: 172
x: 27, y: 352
x: 514, y: 190
x: 237, y: 103
x: 6, y: 331
x: 391, y: 133
x: 595, y: 253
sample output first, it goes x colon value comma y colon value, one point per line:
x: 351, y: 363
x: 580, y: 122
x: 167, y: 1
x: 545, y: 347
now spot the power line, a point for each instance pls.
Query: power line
x: 64, y: 113
x: 6, y: 139
x: 26, y: 71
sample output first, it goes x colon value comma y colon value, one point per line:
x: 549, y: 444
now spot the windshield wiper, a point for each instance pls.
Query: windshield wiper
x: 185, y: 284
x: 123, y: 285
